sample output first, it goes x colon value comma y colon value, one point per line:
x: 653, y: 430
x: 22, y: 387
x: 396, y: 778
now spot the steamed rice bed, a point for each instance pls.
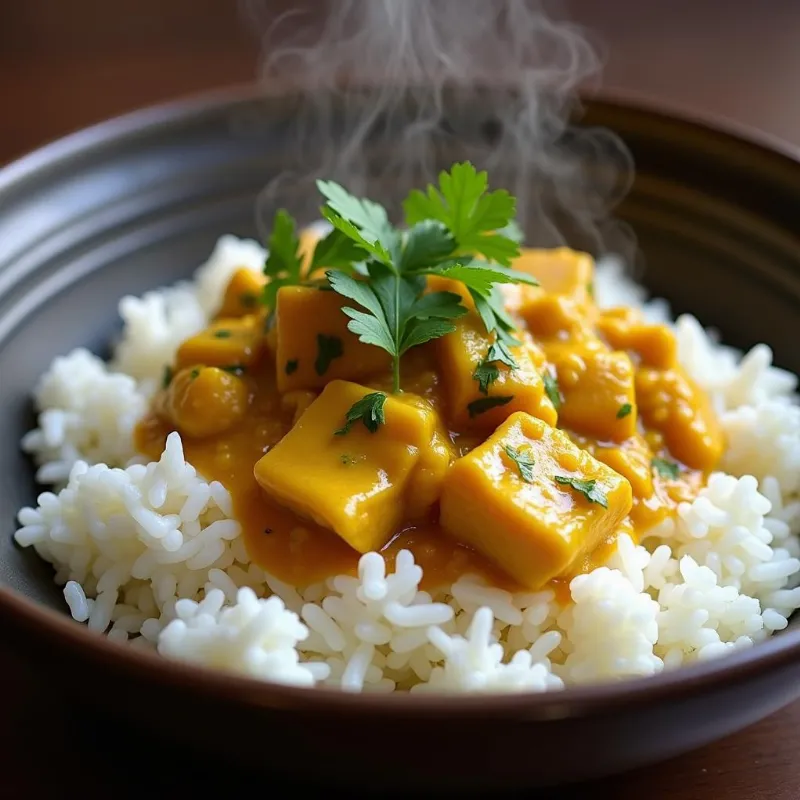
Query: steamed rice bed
x: 151, y: 553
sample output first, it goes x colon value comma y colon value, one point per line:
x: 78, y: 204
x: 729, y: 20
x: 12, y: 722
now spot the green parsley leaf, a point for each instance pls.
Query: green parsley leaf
x: 500, y: 353
x: 328, y: 348
x: 590, y: 289
x: 481, y: 276
x: 283, y: 265
x: 523, y: 461
x: 166, y: 379
x: 486, y: 373
x: 493, y: 314
x: 426, y: 243
x: 551, y: 390
x: 363, y: 221
x: 589, y: 489
x: 471, y: 213
x: 369, y: 410
x: 666, y: 469
x: 336, y: 251
x: 291, y: 366
x: 195, y: 373
x: 222, y: 334
x: 484, y: 404
x: 624, y: 410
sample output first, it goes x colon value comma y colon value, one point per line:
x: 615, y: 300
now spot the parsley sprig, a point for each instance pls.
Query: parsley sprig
x: 455, y: 231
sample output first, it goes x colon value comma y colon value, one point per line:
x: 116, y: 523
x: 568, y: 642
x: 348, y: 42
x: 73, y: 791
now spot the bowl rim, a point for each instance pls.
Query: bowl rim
x: 42, y: 623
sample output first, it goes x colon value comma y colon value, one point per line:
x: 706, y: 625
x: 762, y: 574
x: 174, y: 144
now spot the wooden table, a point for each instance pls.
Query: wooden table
x: 64, y: 65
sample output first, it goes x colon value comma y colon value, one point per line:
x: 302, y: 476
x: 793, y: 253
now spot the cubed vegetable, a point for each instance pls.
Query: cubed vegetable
x: 243, y: 295
x: 531, y: 501
x: 313, y: 345
x: 228, y: 342
x: 626, y: 329
x: 355, y: 483
x: 672, y: 404
x: 597, y: 389
x: 204, y: 401
x: 559, y: 271
x: 481, y: 395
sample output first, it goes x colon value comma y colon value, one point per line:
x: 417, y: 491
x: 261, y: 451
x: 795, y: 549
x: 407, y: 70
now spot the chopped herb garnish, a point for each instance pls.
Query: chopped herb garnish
x: 369, y: 410
x: 346, y: 459
x: 328, y: 348
x: 166, y: 380
x: 455, y: 231
x: 666, y: 469
x: 194, y: 373
x: 248, y: 299
x: 590, y: 289
x: 551, y: 390
x: 268, y: 531
x: 222, y: 334
x: 485, y: 404
x: 234, y: 369
x: 486, y: 374
x: 291, y: 366
x: 523, y: 461
x: 283, y: 265
x: 624, y: 410
x: 589, y: 489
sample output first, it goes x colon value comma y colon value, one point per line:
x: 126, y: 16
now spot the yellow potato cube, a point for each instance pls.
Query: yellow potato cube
x: 243, y: 295
x: 313, y: 345
x: 353, y: 484
x: 523, y: 500
x: 626, y: 329
x: 559, y: 271
x: 597, y: 388
x: 228, y: 342
x: 522, y: 389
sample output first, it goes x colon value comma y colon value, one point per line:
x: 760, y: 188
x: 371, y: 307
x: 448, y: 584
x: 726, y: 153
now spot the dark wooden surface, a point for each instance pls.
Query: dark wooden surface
x: 65, y: 64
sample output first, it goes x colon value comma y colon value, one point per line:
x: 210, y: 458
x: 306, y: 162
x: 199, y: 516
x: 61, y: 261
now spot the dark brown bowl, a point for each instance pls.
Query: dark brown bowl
x: 137, y: 203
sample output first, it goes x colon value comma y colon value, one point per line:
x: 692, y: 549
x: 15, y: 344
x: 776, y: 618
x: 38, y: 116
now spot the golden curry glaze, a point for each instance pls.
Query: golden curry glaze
x: 492, y: 479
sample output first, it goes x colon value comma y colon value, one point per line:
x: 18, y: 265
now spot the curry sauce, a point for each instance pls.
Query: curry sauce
x: 602, y: 386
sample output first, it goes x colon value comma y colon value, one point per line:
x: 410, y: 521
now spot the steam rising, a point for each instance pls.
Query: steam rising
x: 391, y: 91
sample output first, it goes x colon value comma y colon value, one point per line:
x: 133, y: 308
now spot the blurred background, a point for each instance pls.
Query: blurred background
x: 65, y: 64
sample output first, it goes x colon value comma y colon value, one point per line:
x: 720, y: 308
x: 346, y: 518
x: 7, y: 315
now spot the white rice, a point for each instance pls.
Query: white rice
x: 149, y: 553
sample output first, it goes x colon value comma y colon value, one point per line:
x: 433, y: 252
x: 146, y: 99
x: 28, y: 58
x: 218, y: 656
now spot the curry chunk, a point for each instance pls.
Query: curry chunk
x: 313, y: 345
x: 243, y: 295
x: 531, y: 501
x: 355, y: 483
x: 204, y: 401
x: 559, y: 270
x: 626, y: 329
x: 484, y: 404
x: 227, y: 342
x: 673, y: 405
x: 597, y: 390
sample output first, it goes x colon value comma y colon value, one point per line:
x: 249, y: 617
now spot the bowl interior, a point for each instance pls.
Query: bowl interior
x: 139, y: 203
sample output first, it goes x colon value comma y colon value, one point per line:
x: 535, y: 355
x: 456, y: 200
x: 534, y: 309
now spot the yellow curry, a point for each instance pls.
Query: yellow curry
x: 523, y: 475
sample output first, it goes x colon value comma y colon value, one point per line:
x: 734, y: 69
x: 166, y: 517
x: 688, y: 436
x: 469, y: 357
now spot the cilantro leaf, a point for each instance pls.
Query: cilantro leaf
x: 624, y: 410
x: 369, y: 410
x: 336, y: 251
x: 499, y: 353
x: 291, y: 366
x: 666, y: 469
x: 523, y: 461
x: 427, y: 243
x: 166, y: 378
x: 283, y: 265
x: 552, y: 390
x: 328, y: 348
x: 471, y: 213
x: 446, y: 305
x: 363, y: 221
x: 486, y: 373
x: 484, y: 404
x: 418, y: 331
x: 494, y: 317
x: 589, y: 489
